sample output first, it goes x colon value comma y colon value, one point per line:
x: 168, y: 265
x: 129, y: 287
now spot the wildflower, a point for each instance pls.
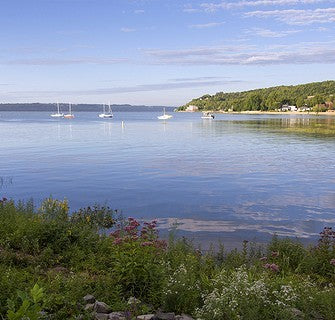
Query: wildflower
x: 271, y: 266
x: 332, y: 262
x: 146, y: 244
x: 274, y: 267
x: 263, y: 259
x: 117, y: 241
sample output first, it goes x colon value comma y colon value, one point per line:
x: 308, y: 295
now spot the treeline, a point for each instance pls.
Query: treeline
x: 316, y: 94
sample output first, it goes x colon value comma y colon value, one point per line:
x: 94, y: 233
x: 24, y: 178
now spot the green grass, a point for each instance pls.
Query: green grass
x: 60, y: 257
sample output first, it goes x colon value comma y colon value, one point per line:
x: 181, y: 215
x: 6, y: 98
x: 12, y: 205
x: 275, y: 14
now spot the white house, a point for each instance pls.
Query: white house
x: 286, y: 107
x: 191, y: 108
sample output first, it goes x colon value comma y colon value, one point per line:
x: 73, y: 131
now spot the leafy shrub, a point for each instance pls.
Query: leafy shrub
x: 30, y: 307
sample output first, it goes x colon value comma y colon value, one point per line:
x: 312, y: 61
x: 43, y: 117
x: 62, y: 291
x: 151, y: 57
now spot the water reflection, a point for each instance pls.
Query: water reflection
x: 239, y: 176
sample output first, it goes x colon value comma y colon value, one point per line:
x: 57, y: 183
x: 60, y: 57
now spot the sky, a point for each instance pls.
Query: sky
x: 160, y: 52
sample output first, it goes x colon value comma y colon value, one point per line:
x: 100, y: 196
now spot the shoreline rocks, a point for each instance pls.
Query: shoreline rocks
x: 101, y: 311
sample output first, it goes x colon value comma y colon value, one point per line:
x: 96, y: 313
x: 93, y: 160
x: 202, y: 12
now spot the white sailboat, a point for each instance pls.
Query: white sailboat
x: 69, y: 115
x: 105, y: 114
x: 58, y: 114
x: 164, y: 116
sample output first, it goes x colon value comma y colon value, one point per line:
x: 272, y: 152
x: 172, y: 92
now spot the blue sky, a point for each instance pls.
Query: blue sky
x: 160, y: 52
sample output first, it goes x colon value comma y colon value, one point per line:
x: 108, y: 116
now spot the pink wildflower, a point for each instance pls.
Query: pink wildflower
x: 146, y: 244
x: 332, y: 262
x: 274, y: 267
x: 117, y: 241
x: 263, y: 259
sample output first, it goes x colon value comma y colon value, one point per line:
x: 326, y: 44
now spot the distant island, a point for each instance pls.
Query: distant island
x: 316, y: 96
x: 78, y: 107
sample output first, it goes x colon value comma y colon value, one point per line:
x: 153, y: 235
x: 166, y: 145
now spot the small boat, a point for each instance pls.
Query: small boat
x: 164, y: 116
x: 58, y: 114
x: 69, y: 115
x: 207, y: 115
x: 105, y: 114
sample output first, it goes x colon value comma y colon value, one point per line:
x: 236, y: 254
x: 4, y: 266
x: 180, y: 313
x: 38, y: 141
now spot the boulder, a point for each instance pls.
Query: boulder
x: 89, y: 299
x: 164, y: 316
x: 100, y: 316
x: 145, y: 317
x: 117, y: 316
x: 101, y: 307
x: 184, y: 317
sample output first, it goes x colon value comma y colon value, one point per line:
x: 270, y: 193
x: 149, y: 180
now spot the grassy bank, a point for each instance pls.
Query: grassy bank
x: 50, y: 259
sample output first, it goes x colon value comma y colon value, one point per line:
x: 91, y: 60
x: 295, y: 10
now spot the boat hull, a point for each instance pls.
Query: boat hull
x: 108, y: 116
x: 166, y: 117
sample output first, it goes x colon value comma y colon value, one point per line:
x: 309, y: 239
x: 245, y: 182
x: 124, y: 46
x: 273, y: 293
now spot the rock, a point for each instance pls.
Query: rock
x: 117, y: 316
x: 89, y: 307
x: 89, y: 298
x: 100, y: 316
x: 145, y: 317
x: 184, y: 317
x: 164, y: 316
x: 297, y: 313
x: 101, y: 307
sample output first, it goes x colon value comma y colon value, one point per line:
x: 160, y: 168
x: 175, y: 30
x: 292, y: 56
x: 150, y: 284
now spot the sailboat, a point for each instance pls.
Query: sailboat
x: 69, y: 115
x: 164, y: 116
x: 105, y: 114
x: 58, y: 114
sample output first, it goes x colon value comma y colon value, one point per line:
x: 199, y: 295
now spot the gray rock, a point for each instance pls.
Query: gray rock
x: 89, y: 307
x: 164, y: 316
x: 117, y: 316
x: 184, y: 317
x: 101, y: 307
x: 297, y: 313
x: 89, y: 298
x: 100, y: 316
x: 145, y: 317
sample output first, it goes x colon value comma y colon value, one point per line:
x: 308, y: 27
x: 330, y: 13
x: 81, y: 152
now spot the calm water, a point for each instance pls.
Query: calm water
x: 237, y: 177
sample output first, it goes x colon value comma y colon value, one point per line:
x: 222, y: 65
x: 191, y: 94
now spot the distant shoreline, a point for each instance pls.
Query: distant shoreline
x: 327, y: 113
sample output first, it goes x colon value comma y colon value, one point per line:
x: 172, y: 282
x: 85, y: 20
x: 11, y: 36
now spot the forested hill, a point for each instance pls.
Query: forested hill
x: 310, y: 94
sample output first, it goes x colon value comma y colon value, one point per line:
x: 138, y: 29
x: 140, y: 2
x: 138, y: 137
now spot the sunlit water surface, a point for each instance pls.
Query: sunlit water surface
x: 237, y: 177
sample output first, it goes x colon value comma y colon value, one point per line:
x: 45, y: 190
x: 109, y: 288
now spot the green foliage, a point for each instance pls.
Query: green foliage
x: 310, y: 95
x: 71, y: 255
x: 30, y: 307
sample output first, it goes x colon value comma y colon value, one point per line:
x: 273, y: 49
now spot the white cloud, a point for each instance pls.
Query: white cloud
x: 194, y: 83
x: 301, y: 53
x: 240, y: 4
x: 206, y: 25
x: 58, y: 62
x: 139, y: 11
x: 297, y: 17
x: 266, y: 33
